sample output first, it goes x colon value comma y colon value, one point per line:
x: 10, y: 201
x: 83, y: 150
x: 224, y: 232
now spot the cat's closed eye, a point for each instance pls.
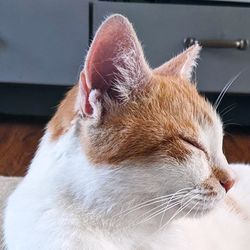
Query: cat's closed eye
x: 194, y: 143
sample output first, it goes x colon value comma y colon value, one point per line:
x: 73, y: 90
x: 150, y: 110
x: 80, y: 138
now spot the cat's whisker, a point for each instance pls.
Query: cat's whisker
x: 213, y: 202
x: 201, y: 192
x: 161, y: 206
x: 155, y: 213
x: 197, y: 209
x: 232, y: 123
x: 161, y: 227
x: 186, y: 204
x: 227, y: 109
x: 203, y: 206
x: 225, y: 89
x: 164, y: 198
x: 191, y: 209
x: 164, y: 209
x: 158, y: 213
x: 173, y: 199
x: 145, y: 205
x: 152, y: 201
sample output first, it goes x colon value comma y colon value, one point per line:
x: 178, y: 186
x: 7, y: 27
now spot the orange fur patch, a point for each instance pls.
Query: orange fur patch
x: 150, y: 125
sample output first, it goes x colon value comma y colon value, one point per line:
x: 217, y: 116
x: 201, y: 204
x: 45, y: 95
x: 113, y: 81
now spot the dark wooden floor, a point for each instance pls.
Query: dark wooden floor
x: 19, y: 140
x: 18, y: 143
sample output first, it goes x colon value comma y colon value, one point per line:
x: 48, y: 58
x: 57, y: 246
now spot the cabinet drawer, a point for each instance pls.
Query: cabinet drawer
x: 163, y: 27
x: 42, y: 41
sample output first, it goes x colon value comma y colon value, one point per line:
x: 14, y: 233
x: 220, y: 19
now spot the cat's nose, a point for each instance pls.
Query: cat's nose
x: 228, y: 184
x: 225, y: 177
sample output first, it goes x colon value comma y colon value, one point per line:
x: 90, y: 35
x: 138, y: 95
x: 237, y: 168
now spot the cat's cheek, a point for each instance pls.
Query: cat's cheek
x: 197, y: 168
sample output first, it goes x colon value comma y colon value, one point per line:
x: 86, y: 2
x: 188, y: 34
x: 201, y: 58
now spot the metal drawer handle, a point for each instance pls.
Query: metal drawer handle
x: 241, y: 44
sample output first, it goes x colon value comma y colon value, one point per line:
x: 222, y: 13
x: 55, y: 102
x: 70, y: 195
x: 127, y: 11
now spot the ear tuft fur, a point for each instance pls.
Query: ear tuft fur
x: 132, y: 71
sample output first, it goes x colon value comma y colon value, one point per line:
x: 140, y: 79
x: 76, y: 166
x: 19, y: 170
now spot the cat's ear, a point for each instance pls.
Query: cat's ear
x: 182, y: 65
x: 114, y: 66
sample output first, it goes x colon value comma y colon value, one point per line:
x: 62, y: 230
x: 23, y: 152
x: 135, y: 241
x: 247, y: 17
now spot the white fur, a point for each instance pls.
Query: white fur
x: 66, y: 203
x: 133, y: 70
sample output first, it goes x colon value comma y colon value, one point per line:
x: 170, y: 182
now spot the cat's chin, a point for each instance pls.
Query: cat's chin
x: 200, y: 213
x: 200, y: 210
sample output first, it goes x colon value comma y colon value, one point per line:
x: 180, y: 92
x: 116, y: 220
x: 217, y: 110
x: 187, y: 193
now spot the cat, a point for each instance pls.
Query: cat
x: 132, y: 159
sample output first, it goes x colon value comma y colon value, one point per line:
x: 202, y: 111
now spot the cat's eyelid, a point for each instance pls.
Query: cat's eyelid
x: 194, y: 143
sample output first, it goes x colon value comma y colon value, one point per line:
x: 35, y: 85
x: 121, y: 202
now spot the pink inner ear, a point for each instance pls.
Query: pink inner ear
x: 100, y: 67
x: 111, y: 37
x: 114, y: 39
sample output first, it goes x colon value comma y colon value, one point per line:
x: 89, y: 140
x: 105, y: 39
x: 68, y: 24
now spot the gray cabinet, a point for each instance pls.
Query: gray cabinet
x: 163, y: 27
x: 42, y: 41
x: 43, y: 44
x: 236, y: 1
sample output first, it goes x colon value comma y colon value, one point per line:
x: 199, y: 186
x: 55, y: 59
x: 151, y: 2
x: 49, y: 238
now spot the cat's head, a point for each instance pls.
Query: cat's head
x: 149, y: 128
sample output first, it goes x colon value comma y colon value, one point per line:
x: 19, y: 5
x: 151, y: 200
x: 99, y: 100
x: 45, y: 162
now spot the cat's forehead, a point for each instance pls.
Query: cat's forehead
x: 172, y: 99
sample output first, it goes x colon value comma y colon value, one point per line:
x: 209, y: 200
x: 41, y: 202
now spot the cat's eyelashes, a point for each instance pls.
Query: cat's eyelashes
x: 194, y: 143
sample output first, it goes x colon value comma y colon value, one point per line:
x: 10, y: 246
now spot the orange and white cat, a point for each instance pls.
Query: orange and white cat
x: 131, y: 160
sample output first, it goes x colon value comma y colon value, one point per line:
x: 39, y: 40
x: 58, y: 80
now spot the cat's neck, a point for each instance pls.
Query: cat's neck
x: 92, y: 190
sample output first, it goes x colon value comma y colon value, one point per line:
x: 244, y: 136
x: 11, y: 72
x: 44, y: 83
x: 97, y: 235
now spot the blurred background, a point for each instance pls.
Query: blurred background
x: 43, y: 44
